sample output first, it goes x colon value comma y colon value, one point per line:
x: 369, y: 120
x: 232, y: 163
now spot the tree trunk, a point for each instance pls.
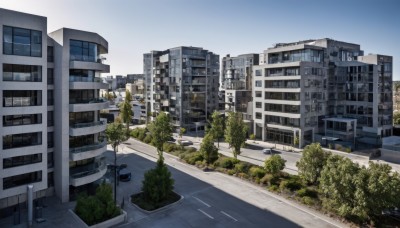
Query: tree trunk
x: 218, y: 142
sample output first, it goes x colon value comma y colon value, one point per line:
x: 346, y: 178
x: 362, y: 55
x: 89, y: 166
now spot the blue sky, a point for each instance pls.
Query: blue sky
x: 133, y: 27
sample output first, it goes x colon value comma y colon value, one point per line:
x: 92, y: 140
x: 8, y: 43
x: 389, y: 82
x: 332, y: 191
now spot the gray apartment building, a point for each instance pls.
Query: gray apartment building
x: 236, y: 79
x: 322, y: 91
x: 52, y: 136
x: 183, y: 82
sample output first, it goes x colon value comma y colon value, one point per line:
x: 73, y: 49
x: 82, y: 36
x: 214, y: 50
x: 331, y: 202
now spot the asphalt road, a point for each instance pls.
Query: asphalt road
x: 211, y: 199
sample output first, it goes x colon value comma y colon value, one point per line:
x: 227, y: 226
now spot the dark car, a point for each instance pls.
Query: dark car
x: 125, y: 175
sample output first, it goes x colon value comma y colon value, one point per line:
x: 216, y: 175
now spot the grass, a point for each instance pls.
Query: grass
x: 139, y: 200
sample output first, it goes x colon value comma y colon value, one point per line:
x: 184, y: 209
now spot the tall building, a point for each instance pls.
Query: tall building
x: 182, y: 81
x: 322, y: 91
x: 396, y: 96
x: 49, y: 87
x: 237, y: 83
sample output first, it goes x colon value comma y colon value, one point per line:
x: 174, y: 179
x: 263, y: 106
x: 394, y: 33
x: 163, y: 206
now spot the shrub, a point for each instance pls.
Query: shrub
x: 274, y: 164
x: 169, y: 147
x: 308, y: 200
x: 257, y: 172
x: 147, y: 139
x: 231, y: 171
x: 225, y: 162
x: 348, y: 149
x: 291, y: 184
x: 190, y: 149
x: 242, y: 167
x: 266, y: 179
x: 192, y: 158
x: 306, y: 192
x: 243, y: 175
x: 273, y: 188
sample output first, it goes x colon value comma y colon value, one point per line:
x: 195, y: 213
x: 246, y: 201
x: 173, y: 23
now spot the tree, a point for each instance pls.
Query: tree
x: 217, y: 126
x: 396, y: 118
x: 235, y: 132
x: 312, y: 162
x: 296, y: 141
x: 158, y: 183
x: 126, y: 111
x: 274, y: 164
x: 337, y: 185
x: 115, y: 136
x: 181, y: 132
x: 208, y: 150
x: 161, y: 132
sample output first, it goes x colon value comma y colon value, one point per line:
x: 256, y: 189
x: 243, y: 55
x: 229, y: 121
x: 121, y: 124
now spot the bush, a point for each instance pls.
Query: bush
x: 225, y: 162
x: 242, y: 167
x: 190, y: 149
x: 273, y: 188
x: 192, y: 158
x: 243, y: 175
x: 169, y: 147
x: 306, y: 192
x: 231, y: 172
x: 256, y: 172
x: 292, y: 184
x: 274, y: 164
x: 147, y: 139
x: 308, y: 200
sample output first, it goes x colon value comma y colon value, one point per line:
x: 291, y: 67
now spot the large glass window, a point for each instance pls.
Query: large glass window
x: 78, y: 75
x: 50, y: 98
x: 22, y: 179
x: 22, y: 160
x: 50, y: 54
x: 23, y: 73
x: 50, y: 118
x: 22, y: 140
x: 50, y: 76
x: 15, y: 120
x: 24, y: 42
x: 80, y: 117
x: 18, y: 98
x: 81, y: 96
x: 83, y: 51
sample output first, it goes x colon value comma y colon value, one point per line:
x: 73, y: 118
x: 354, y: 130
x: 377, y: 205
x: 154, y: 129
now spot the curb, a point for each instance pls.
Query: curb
x: 158, y: 209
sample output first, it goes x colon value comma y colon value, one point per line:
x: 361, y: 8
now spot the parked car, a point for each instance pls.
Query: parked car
x: 171, y: 139
x: 185, y: 142
x: 125, y: 175
x: 267, y: 151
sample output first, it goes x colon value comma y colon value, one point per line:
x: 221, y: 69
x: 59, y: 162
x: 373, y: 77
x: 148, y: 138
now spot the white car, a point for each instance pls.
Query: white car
x: 267, y: 151
x: 185, y: 142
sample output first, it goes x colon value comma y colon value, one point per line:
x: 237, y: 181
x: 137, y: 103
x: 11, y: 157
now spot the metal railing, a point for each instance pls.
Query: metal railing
x: 83, y: 79
x: 91, y: 124
x: 90, y: 169
x: 81, y: 149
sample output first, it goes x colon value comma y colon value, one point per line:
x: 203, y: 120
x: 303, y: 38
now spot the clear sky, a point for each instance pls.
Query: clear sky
x: 134, y: 27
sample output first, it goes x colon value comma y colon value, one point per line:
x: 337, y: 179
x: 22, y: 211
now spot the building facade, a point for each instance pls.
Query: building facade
x: 49, y: 89
x: 182, y: 81
x: 237, y: 85
x: 322, y: 91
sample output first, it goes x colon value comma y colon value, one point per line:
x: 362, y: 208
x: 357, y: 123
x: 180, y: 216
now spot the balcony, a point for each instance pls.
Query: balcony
x: 88, y: 128
x: 97, y: 66
x: 76, y: 82
x: 90, y: 105
x: 88, y: 151
x: 88, y: 174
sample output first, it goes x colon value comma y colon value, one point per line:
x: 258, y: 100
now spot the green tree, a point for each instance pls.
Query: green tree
x: 182, y: 131
x: 274, y: 164
x: 337, y: 185
x: 217, y: 126
x: 396, y: 118
x: 208, y: 150
x: 312, y: 162
x: 161, y: 132
x: 126, y: 111
x: 252, y: 137
x: 115, y: 136
x: 235, y: 132
x: 158, y: 183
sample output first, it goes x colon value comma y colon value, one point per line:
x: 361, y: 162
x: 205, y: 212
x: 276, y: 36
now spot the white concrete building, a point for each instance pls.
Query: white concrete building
x: 52, y: 136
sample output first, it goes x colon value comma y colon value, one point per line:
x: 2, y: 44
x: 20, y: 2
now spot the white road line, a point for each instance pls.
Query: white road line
x: 229, y: 216
x: 205, y: 214
x: 201, y: 201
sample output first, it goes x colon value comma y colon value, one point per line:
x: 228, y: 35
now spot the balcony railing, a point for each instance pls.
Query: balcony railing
x: 90, y: 169
x: 83, y: 79
x: 94, y: 100
x: 91, y: 124
x: 88, y: 147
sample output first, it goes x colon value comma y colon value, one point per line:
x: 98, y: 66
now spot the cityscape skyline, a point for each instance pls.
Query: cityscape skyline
x: 221, y: 26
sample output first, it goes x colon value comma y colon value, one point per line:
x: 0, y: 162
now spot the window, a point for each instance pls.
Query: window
x: 50, y: 98
x: 50, y: 139
x: 258, y: 105
x: 50, y: 160
x: 258, y: 115
x: 83, y: 51
x: 50, y: 118
x: 22, y: 160
x: 22, y: 179
x: 18, y: 98
x: 23, y: 42
x: 16, y: 120
x: 50, y: 54
x: 258, y: 72
x: 22, y: 140
x: 81, y: 96
x: 258, y: 94
x: 78, y: 75
x: 50, y: 76
x: 80, y: 117
x: 22, y: 73
x: 258, y: 83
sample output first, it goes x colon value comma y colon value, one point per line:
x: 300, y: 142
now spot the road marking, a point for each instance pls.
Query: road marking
x: 205, y: 214
x: 201, y: 201
x: 229, y: 216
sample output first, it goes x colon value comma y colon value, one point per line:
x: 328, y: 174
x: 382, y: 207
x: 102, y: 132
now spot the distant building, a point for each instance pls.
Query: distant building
x: 323, y: 91
x: 396, y: 96
x: 182, y: 81
x: 131, y: 78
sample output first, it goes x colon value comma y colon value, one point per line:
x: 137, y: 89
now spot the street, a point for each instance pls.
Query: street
x: 211, y: 199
